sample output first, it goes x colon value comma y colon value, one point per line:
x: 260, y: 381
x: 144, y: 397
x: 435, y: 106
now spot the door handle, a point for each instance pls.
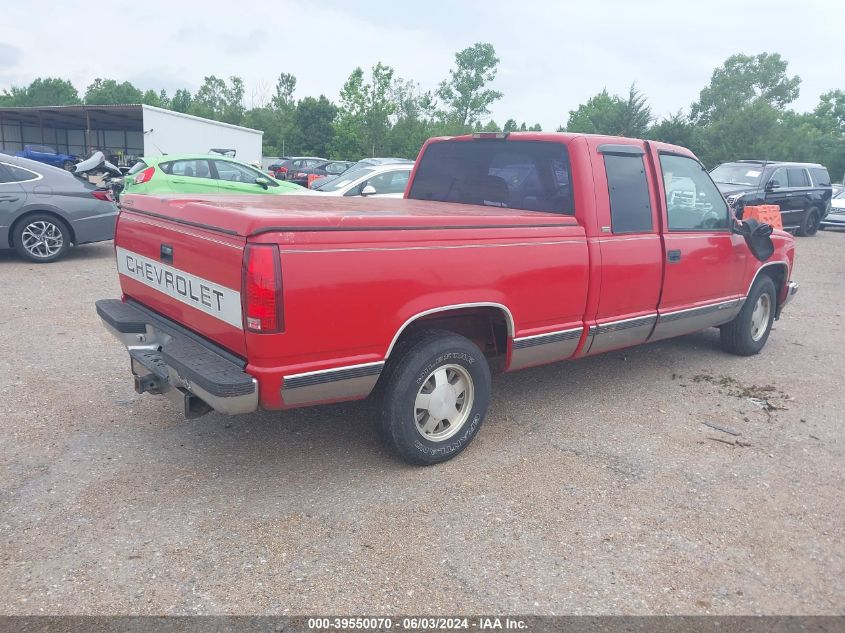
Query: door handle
x: 673, y: 256
x: 8, y: 199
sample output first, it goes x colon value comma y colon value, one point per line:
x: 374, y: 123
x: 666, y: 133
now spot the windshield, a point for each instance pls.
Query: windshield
x: 737, y: 174
x: 347, y: 178
x: 840, y: 194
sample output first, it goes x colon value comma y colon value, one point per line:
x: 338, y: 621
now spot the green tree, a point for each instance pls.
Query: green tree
x: 181, y: 101
x: 740, y: 81
x: 676, y: 129
x: 743, y: 133
x: 282, y: 100
x: 219, y: 100
x: 611, y: 114
x: 47, y: 91
x: 109, y: 92
x: 313, y: 131
x: 831, y: 111
x: 151, y: 98
x: 465, y: 93
x: 364, y: 115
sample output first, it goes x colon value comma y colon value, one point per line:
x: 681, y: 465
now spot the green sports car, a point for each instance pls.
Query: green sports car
x: 197, y: 173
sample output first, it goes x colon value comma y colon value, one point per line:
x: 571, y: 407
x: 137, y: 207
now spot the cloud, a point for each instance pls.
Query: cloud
x: 9, y: 55
x: 554, y: 55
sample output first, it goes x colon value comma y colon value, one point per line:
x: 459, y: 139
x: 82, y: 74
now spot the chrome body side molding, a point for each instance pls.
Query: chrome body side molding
x: 544, y: 348
x: 679, y: 322
x: 349, y: 382
x: 624, y: 333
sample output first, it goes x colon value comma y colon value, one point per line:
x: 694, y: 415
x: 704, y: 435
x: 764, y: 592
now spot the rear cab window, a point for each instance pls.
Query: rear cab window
x: 527, y: 175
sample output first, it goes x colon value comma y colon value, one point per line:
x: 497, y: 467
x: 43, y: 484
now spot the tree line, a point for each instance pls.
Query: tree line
x: 743, y: 112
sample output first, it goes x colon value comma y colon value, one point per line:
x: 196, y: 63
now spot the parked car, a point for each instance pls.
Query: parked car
x: 197, y: 173
x: 388, y: 181
x: 326, y: 168
x: 801, y: 190
x: 48, y: 156
x: 836, y: 217
x: 45, y: 209
x: 275, y: 163
x: 367, y: 162
x: 526, y: 249
x: 281, y: 170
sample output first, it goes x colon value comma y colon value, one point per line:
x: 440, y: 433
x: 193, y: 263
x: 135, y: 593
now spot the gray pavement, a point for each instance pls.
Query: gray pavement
x: 593, y: 487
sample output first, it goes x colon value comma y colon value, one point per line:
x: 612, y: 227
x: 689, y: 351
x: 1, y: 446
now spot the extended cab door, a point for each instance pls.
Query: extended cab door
x: 629, y: 248
x: 704, y: 261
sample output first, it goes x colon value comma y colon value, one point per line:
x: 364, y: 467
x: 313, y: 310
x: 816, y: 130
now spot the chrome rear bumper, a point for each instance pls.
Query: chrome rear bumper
x: 167, y: 360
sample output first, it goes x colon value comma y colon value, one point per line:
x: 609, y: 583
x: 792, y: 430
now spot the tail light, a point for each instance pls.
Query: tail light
x: 103, y: 194
x: 262, y: 289
x: 145, y: 176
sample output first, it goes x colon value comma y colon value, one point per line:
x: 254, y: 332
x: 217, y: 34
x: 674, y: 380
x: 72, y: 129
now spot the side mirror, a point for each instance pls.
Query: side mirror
x: 369, y: 190
x: 758, y: 238
x: 263, y: 182
x: 772, y: 185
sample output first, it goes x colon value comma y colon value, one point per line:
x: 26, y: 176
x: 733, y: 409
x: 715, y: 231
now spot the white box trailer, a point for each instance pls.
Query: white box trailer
x: 169, y: 132
x: 123, y: 132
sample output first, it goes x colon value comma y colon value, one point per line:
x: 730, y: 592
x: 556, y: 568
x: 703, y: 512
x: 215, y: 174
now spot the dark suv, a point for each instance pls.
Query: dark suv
x: 801, y: 190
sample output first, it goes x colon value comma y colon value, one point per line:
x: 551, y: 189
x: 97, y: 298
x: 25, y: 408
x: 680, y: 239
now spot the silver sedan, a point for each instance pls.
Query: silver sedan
x: 44, y: 210
x: 836, y: 217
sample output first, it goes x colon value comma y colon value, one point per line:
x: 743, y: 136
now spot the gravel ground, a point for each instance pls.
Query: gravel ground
x: 593, y: 487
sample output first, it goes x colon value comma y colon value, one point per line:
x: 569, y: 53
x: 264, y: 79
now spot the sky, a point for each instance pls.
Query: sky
x: 554, y: 54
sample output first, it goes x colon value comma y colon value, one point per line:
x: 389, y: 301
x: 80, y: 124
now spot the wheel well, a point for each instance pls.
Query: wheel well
x: 777, y: 273
x: 28, y: 214
x: 486, y: 326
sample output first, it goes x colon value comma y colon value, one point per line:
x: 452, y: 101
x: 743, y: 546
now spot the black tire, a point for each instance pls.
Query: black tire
x: 810, y: 223
x: 411, y: 373
x: 55, y: 228
x: 68, y: 165
x: 740, y: 335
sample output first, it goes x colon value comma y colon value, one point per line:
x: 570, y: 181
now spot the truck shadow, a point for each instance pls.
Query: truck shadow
x: 341, y: 440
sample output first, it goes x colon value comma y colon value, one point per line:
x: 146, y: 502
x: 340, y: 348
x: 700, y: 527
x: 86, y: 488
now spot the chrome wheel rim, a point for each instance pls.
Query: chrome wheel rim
x: 42, y: 239
x: 760, y: 317
x: 443, y: 403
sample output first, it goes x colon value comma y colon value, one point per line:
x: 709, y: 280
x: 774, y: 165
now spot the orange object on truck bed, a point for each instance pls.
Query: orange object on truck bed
x: 765, y: 214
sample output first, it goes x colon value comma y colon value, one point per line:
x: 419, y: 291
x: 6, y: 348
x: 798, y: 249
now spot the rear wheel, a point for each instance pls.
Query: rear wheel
x: 748, y: 332
x: 435, y: 396
x: 41, y: 238
x: 810, y: 224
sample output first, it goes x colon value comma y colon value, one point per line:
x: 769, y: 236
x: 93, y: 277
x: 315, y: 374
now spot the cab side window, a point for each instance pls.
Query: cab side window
x: 797, y: 177
x: 630, y: 204
x: 693, y: 203
x: 778, y: 179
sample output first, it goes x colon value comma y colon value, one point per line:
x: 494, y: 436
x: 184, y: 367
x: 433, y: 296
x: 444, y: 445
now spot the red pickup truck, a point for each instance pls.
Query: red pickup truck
x: 523, y: 248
